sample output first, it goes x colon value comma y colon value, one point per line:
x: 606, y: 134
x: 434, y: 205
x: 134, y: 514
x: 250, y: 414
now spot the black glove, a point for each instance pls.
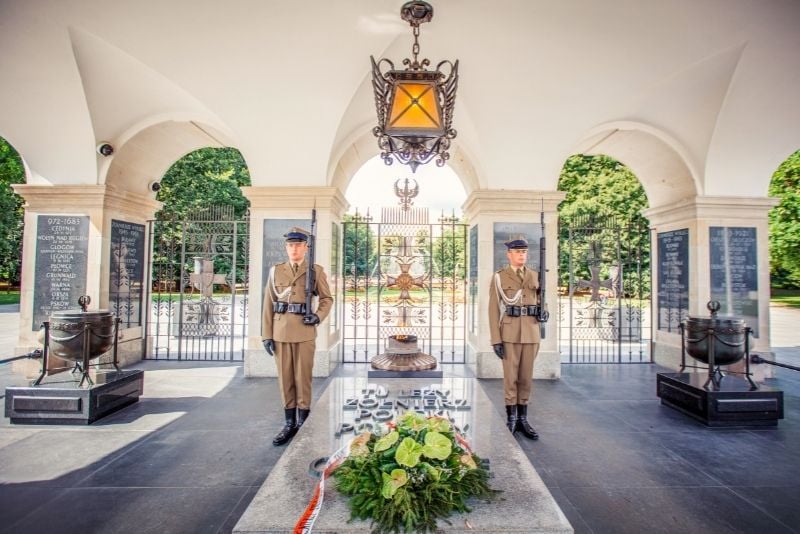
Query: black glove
x: 311, y: 319
x: 269, y: 344
x: 499, y: 350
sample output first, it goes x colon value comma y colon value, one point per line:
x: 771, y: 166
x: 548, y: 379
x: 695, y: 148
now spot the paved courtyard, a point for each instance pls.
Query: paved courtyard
x: 191, y: 454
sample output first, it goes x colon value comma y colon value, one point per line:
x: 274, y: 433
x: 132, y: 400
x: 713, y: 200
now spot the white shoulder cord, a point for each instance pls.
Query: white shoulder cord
x: 283, y: 294
x: 503, y: 300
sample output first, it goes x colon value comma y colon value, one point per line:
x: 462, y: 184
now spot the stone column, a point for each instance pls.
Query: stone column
x: 278, y: 208
x: 701, y: 216
x: 101, y: 204
x: 484, y: 208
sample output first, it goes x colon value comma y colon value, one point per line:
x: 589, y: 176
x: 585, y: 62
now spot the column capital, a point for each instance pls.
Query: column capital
x: 299, y: 197
x: 71, y: 198
x: 510, y: 202
x: 706, y: 207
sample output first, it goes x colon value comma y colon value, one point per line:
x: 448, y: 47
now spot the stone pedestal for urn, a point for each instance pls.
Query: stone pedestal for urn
x: 403, y: 359
x: 79, y: 392
x: 719, y: 399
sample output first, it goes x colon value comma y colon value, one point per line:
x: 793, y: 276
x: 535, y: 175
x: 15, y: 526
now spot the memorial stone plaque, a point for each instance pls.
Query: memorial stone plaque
x: 504, y: 231
x: 673, y: 279
x: 473, y: 278
x: 734, y: 272
x: 274, y: 251
x: 62, y: 247
x: 126, y: 276
x: 333, y: 276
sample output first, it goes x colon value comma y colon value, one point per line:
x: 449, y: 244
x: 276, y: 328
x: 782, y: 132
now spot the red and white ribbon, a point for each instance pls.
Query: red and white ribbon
x: 306, y: 521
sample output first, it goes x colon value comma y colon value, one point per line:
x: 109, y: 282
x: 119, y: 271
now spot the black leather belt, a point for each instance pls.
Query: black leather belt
x: 289, y: 307
x: 521, y: 311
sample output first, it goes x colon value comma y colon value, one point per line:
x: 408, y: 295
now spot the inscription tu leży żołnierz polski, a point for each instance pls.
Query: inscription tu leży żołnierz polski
x: 377, y: 404
x: 62, y: 246
x: 733, y: 263
x: 673, y: 278
x: 126, y: 272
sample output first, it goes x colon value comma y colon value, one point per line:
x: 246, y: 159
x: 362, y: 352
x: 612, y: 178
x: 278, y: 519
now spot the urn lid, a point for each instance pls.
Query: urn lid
x: 715, y: 320
x: 82, y: 314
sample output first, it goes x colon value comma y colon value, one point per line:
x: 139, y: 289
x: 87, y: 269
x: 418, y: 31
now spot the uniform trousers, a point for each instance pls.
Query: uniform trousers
x: 295, y: 364
x: 518, y: 371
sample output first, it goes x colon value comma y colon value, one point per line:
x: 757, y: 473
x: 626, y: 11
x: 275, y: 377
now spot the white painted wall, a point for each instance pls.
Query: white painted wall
x: 288, y: 83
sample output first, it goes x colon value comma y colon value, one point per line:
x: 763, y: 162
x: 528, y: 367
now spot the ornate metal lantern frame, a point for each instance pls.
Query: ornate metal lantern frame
x: 415, y: 105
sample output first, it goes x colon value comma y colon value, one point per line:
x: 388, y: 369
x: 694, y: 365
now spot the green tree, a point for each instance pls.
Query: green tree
x: 784, y: 225
x: 599, y: 190
x: 449, y: 252
x: 360, y: 247
x: 196, y: 184
x: 203, y: 178
x: 11, y: 213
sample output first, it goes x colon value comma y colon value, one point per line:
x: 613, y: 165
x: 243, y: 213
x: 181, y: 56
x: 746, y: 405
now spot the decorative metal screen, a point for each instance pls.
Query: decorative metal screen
x: 198, y: 291
x: 404, y: 279
x: 604, y: 293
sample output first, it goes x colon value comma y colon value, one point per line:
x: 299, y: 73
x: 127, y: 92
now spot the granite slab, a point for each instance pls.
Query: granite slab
x: 526, y: 505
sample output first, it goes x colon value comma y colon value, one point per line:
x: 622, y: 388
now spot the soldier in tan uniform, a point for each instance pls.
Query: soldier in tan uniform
x: 290, y: 331
x: 515, y: 337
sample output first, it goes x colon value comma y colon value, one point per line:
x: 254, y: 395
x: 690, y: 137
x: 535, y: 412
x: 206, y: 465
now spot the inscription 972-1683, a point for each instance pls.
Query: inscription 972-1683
x: 62, y: 246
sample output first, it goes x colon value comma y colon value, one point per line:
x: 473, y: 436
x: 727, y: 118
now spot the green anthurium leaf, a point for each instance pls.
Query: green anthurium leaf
x: 393, y: 481
x: 412, y: 421
x: 437, y: 446
x: 408, y: 452
x: 438, y: 424
x: 387, y: 441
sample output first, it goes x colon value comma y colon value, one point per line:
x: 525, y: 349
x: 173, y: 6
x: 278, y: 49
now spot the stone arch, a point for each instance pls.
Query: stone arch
x: 660, y: 162
x: 147, y: 150
x: 364, y: 147
x: 27, y: 170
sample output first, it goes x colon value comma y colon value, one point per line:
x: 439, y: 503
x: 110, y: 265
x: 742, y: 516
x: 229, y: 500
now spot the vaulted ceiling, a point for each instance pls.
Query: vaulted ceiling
x: 697, y: 96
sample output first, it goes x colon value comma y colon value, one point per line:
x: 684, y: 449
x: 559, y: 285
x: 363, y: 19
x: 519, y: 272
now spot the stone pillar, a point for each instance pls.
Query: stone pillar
x: 278, y: 208
x: 702, y: 216
x: 101, y: 204
x: 483, y: 209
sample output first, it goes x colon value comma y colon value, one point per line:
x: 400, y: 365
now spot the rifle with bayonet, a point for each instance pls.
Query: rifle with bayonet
x: 542, y: 314
x: 311, y: 318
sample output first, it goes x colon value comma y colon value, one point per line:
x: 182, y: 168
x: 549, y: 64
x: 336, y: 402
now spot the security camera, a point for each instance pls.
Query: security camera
x: 155, y: 186
x: 105, y: 149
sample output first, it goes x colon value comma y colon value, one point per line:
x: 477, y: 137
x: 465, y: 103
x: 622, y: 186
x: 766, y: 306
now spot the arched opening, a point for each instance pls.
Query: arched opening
x: 661, y: 164
x: 12, y: 171
x: 149, y: 151
x: 404, y: 264
x: 604, y: 263
x: 784, y: 230
x: 199, y: 260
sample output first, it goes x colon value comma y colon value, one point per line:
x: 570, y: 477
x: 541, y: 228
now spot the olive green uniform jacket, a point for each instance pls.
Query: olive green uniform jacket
x: 289, y: 327
x: 505, y: 329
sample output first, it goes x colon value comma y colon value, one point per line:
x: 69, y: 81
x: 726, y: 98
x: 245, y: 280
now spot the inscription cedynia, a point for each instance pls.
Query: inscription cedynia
x: 376, y: 405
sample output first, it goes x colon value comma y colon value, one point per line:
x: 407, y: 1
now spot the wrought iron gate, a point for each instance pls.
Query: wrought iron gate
x: 404, y: 278
x: 198, y: 289
x: 604, y: 297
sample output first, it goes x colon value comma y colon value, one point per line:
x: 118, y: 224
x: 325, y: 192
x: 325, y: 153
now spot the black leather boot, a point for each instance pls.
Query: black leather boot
x: 511, y: 413
x: 302, y: 415
x: 522, y: 422
x: 289, y: 429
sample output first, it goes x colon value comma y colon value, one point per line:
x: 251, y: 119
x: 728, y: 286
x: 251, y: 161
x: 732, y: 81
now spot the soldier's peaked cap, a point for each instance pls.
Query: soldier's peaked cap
x: 516, y: 244
x: 296, y: 234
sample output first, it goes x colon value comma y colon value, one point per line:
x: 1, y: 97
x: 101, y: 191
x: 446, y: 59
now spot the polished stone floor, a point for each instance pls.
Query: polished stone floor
x: 190, y: 456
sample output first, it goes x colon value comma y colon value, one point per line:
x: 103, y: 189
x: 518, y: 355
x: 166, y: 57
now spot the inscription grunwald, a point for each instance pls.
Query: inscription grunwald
x: 62, y: 246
